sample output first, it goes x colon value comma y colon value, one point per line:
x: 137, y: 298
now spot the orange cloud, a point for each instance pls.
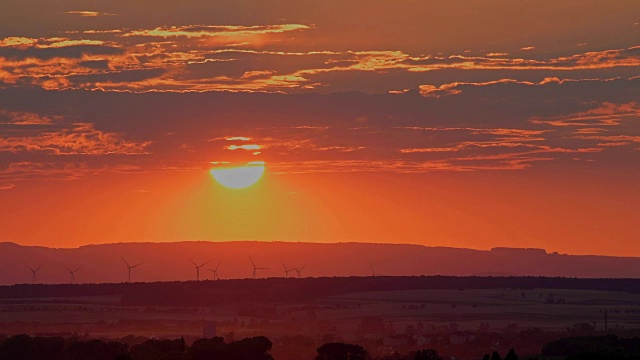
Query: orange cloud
x: 607, y: 114
x: 79, y: 138
x: 24, y: 118
x: 59, y: 43
x: 197, y: 31
x: 17, y: 42
x: 88, y: 13
x: 238, y: 138
x: 451, y: 89
x: 244, y: 147
x: 26, y: 170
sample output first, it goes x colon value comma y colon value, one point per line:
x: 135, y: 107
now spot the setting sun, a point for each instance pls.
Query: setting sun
x: 239, y: 177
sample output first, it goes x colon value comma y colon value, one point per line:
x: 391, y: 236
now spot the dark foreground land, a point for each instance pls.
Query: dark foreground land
x: 459, y: 317
x: 25, y: 347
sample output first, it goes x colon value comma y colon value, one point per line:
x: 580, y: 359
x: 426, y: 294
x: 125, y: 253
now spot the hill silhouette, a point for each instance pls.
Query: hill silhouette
x: 171, y: 261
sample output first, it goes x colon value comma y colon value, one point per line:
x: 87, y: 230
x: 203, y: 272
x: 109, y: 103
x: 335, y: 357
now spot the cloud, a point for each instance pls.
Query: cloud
x: 17, y: 42
x: 199, y: 31
x: 24, y: 118
x: 607, y: 114
x: 74, y: 139
x: 29, y: 171
x: 504, y: 124
x: 455, y: 88
x: 244, y: 147
x: 7, y: 186
x: 248, y: 59
x: 85, y: 13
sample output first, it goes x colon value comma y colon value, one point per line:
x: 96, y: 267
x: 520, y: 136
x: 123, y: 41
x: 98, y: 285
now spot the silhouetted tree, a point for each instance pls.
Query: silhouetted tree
x: 496, y: 356
x: 427, y: 354
x: 341, y: 351
x: 95, y: 350
x: 256, y: 348
x: 511, y: 355
x: 160, y: 350
x: 24, y: 347
x: 207, y: 349
x: 486, y: 357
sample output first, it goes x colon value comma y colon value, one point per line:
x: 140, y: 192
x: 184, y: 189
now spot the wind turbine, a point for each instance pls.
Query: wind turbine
x: 299, y: 270
x: 255, y: 269
x: 286, y: 270
x: 215, y: 271
x: 129, y: 267
x: 373, y: 271
x: 198, y: 268
x: 34, y: 273
x: 72, y: 273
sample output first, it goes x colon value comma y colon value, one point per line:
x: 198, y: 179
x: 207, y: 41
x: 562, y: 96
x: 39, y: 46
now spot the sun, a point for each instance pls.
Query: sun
x: 239, y: 177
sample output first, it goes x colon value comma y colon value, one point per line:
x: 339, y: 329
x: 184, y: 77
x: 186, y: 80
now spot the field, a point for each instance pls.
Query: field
x: 342, y: 315
x: 498, y: 308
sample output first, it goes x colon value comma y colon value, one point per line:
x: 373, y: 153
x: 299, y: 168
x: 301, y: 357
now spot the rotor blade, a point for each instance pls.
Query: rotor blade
x: 69, y: 270
x: 78, y: 268
x: 29, y: 267
x: 285, y: 267
x: 218, y: 264
x: 305, y: 265
x: 194, y: 263
x: 39, y: 267
x: 135, y: 266
x: 208, y: 261
x: 254, y: 264
x: 125, y: 261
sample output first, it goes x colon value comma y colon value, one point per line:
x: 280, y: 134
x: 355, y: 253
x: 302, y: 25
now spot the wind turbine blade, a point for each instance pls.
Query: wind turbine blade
x: 371, y: 265
x: 30, y: 268
x: 125, y: 261
x: 254, y: 264
x: 39, y: 267
x: 69, y: 270
x: 305, y: 265
x: 78, y: 268
x: 135, y: 266
x: 285, y: 267
x: 218, y: 264
x: 194, y: 263
x: 208, y: 261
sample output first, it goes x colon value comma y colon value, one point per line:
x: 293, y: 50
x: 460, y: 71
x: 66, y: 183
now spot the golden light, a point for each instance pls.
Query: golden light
x: 239, y: 177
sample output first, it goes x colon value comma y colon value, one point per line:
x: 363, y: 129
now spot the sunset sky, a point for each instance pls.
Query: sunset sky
x: 461, y: 123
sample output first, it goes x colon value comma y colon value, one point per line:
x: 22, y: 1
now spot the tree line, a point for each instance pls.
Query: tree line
x: 25, y: 347
x: 207, y: 293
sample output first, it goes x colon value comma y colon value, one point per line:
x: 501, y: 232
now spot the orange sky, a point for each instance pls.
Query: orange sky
x: 446, y: 123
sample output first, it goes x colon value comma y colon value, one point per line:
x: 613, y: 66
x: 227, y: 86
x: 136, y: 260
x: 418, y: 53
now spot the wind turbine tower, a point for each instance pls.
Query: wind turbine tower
x: 255, y: 269
x: 72, y: 273
x: 198, y: 268
x: 34, y: 273
x: 286, y: 270
x: 129, y: 267
x: 215, y: 271
x: 299, y: 270
x: 373, y: 271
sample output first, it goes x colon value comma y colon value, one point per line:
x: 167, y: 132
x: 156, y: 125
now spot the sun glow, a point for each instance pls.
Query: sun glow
x: 239, y: 177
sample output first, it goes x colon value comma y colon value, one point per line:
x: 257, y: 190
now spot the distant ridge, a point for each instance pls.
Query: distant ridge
x: 169, y: 261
